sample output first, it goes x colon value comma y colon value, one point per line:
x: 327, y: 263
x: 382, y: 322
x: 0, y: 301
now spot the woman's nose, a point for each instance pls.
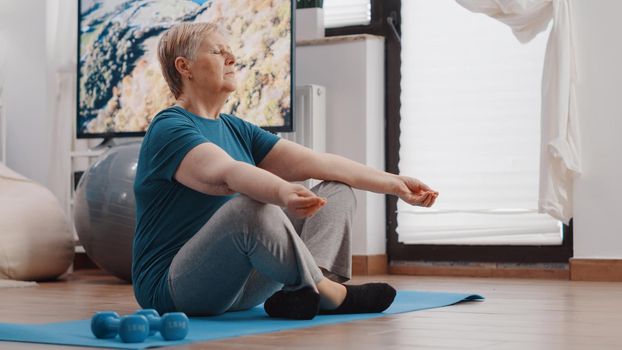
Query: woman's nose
x: 229, y: 60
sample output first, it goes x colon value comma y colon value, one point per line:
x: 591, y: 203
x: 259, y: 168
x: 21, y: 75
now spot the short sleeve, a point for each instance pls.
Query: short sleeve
x: 262, y: 142
x: 168, y: 140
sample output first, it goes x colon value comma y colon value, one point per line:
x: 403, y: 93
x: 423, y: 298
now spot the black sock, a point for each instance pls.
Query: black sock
x: 301, y: 304
x: 365, y: 298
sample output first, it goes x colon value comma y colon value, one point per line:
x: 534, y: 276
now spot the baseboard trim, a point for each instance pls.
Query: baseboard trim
x: 497, y: 270
x: 364, y: 265
x: 602, y: 270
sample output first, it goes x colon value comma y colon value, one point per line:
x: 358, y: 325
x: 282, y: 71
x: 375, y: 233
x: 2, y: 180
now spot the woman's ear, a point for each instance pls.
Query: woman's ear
x: 183, y: 67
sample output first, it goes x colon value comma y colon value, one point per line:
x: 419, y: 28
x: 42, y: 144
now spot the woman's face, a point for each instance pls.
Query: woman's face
x: 213, y: 68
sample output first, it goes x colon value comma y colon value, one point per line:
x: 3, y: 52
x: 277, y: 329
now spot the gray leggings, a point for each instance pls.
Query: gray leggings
x: 248, y: 250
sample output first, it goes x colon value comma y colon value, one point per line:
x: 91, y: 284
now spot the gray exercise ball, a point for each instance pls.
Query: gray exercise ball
x: 104, y: 210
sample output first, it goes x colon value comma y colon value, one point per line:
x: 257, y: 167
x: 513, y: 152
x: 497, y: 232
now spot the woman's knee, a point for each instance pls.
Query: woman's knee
x: 345, y: 189
x: 344, y: 192
x: 261, y: 218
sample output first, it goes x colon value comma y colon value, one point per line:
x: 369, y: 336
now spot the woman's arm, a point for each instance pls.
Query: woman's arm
x: 210, y: 170
x: 294, y: 162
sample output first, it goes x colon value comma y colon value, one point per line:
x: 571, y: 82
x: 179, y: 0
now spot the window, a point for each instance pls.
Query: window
x: 470, y: 122
x: 342, y: 13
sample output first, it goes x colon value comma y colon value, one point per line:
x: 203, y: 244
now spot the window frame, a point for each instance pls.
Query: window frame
x: 396, y: 251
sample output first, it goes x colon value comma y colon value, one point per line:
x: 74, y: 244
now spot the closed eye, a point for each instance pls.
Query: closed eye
x: 222, y: 51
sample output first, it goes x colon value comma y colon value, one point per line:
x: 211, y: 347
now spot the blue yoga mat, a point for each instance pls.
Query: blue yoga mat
x: 231, y: 324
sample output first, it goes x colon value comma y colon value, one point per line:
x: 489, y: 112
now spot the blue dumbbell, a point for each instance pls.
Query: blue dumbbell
x: 131, y: 329
x: 172, y: 326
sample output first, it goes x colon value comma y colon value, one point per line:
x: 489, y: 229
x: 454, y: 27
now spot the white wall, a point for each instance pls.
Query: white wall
x: 598, y: 192
x: 25, y: 94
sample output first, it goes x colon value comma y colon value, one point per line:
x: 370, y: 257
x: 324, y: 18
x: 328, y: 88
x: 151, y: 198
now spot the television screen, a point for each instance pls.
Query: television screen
x: 120, y: 84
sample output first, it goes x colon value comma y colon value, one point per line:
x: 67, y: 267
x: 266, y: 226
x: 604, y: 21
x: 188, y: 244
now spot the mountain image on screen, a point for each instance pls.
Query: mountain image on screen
x: 121, y: 87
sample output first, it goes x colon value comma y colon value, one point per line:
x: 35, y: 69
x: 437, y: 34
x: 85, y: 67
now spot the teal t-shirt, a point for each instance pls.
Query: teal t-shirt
x: 168, y: 213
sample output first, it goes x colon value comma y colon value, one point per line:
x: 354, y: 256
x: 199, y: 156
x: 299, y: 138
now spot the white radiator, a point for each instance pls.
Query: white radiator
x: 309, y: 120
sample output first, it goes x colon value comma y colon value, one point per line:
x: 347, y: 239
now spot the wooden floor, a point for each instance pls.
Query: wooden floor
x: 517, y: 314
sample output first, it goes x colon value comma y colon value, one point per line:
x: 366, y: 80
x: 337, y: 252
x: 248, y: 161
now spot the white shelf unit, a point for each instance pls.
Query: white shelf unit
x: 354, y: 117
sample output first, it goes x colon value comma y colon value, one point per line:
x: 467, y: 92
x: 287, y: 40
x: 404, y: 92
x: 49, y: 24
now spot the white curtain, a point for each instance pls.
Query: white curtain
x: 560, y: 143
x: 471, y: 129
x: 341, y: 13
x: 62, y: 51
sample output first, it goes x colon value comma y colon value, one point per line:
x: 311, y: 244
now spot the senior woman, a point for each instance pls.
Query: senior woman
x: 220, y: 227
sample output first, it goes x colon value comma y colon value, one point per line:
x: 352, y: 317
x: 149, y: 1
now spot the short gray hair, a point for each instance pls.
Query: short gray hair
x: 181, y: 40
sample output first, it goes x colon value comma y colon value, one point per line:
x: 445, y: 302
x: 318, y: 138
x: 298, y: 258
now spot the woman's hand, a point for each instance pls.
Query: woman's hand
x: 415, y: 192
x: 300, y: 201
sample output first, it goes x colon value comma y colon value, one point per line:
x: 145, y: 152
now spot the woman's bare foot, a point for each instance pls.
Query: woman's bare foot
x: 332, y: 294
